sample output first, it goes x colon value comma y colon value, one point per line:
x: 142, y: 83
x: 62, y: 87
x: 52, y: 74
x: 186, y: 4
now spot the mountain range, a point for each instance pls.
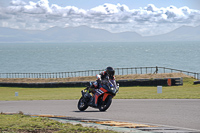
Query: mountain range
x: 86, y: 34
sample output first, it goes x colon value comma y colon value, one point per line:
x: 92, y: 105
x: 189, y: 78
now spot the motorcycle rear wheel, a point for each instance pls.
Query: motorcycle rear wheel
x: 82, y: 105
x: 106, y: 104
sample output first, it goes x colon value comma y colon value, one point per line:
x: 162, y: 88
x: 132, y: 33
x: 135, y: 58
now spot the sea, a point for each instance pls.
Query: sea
x: 70, y: 57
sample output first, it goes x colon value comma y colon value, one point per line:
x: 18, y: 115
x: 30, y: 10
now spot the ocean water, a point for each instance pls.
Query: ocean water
x: 68, y: 57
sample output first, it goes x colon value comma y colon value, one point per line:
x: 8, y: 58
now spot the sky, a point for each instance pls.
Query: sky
x: 146, y: 17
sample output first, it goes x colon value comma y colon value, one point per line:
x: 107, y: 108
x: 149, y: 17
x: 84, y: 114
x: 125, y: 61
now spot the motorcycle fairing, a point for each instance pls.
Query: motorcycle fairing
x: 99, y: 92
x: 105, y: 96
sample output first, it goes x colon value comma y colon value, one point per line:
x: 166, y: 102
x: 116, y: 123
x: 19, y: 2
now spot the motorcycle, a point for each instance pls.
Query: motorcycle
x: 101, y: 98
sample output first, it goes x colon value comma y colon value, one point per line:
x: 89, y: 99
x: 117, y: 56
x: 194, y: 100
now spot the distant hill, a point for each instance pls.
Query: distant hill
x: 86, y: 34
x: 184, y: 33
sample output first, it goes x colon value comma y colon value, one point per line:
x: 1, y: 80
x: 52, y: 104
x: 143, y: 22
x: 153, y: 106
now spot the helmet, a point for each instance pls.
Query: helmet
x: 110, y: 71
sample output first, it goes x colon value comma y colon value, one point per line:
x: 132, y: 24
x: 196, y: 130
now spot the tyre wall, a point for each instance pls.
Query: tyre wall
x: 122, y: 83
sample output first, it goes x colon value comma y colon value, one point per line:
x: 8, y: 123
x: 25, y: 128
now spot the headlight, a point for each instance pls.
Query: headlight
x: 113, y: 90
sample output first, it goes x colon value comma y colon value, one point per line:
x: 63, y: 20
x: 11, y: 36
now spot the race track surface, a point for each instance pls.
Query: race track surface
x: 184, y: 113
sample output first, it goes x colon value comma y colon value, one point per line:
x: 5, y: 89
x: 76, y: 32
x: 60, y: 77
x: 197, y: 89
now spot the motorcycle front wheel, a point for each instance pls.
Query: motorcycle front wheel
x: 82, y: 105
x: 106, y: 104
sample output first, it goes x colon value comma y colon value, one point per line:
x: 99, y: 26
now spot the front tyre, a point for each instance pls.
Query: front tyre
x: 82, y: 105
x: 106, y: 104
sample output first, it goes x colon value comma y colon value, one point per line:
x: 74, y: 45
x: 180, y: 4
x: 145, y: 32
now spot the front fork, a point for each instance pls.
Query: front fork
x: 83, y: 93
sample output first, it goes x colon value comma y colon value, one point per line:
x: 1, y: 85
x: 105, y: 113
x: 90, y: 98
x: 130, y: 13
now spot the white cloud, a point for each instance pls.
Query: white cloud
x: 110, y: 9
x: 17, y: 3
x: 149, y: 20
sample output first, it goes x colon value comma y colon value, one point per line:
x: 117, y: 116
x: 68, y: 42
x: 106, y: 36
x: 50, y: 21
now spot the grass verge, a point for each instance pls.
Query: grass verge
x: 187, y: 91
x: 20, y: 123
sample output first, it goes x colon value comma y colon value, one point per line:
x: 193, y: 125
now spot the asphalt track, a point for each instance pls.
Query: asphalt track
x: 184, y: 113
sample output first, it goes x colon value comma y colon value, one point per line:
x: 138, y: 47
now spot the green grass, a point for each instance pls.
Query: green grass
x: 8, y: 93
x: 21, y: 123
x: 167, y: 93
x: 187, y: 91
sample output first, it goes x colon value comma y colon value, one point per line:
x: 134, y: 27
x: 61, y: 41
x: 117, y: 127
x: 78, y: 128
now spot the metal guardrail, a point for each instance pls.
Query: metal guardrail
x: 118, y: 71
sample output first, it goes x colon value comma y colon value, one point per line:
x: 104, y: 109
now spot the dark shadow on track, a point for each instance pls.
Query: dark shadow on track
x: 87, y: 111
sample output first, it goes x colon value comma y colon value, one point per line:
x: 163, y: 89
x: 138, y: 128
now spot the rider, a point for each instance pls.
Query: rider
x: 105, y: 75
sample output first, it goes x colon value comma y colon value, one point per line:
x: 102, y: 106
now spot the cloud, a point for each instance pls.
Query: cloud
x: 149, y: 20
x: 17, y: 3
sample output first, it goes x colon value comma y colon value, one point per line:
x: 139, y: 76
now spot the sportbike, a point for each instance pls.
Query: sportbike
x: 101, y: 98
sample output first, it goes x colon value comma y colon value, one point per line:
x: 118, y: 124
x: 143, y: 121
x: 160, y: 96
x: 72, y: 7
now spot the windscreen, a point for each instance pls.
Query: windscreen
x: 113, y: 83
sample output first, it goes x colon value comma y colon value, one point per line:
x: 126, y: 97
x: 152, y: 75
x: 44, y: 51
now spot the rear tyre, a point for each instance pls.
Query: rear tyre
x: 106, y: 104
x: 82, y: 105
